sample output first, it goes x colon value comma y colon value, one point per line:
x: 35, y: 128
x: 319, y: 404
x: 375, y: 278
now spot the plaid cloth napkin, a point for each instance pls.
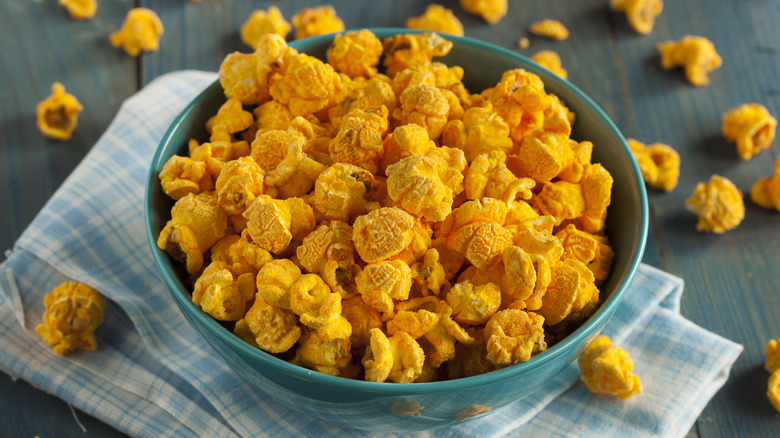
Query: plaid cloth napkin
x: 153, y: 376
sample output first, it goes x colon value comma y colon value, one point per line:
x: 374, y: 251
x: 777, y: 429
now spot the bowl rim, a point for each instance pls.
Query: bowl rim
x: 602, y: 314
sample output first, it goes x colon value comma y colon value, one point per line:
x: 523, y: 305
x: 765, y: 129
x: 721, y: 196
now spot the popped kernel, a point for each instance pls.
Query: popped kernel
x: 424, y: 105
x: 597, y: 190
x: 405, y: 141
x: 239, y: 183
x: 550, y: 60
x: 274, y: 280
x: 571, y: 294
x: 549, y: 28
x: 437, y: 18
x: 306, y: 85
x: 341, y: 192
x: 373, y: 93
x: 513, y: 336
x: 328, y: 251
x: 718, y: 205
x: 590, y: 249
x: 197, y: 222
x: 80, y: 9
x: 328, y: 353
x: 272, y: 115
x: 416, y: 323
x: 359, y: 138
x: 141, y: 30
x: 245, y: 76
x: 561, y: 200
x: 518, y: 280
x: 363, y: 318
x: 418, y: 185
x: 583, y: 150
x: 766, y: 191
x: 398, y: 358
x: 491, y: 11
x: 313, y: 301
x: 695, y: 54
x: 406, y: 50
x: 382, y: 233
x: 269, y: 223
x: 473, y: 304
x: 482, y: 243
x: 641, y: 14
x: 520, y: 100
x: 58, y: 114
x: 230, y: 119
x: 73, y: 311
x: 239, y: 252
x: 659, y: 164
x: 481, y: 130
x: 473, y: 211
x: 429, y: 274
x: 488, y: 176
x: 182, y: 175
x: 751, y: 127
x: 273, y: 329
x: 381, y: 283
x: 419, y: 244
x: 355, y: 53
x: 608, y: 369
x: 772, y: 352
x: 546, y: 152
x: 316, y: 21
x: 221, y: 293
x: 535, y: 236
x: 262, y: 22
x: 773, y: 389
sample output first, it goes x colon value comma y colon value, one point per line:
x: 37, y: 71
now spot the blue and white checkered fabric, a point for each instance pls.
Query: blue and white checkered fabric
x: 153, y: 376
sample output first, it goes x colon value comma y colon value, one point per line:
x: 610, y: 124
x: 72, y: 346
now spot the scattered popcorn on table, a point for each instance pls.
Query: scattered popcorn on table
x: 549, y: 28
x: 608, y: 369
x: 766, y: 191
x: 718, y: 204
x: 695, y: 54
x: 550, y: 60
x: 261, y: 22
x: 772, y: 356
x: 141, y: 30
x: 751, y: 127
x: 73, y: 312
x: 523, y: 43
x: 659, y: 164
x: 641, y: 13
x: 491, y: 11
x: 80, y: 9
x: 58, y: 114
x: 437, y: 18
x: 316, y: 21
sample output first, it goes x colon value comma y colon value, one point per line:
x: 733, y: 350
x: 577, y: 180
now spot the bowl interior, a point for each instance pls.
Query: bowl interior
x: 483, y: 64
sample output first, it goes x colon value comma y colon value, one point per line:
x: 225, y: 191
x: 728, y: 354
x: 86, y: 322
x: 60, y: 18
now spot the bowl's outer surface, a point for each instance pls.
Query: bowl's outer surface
x: 396, y: 407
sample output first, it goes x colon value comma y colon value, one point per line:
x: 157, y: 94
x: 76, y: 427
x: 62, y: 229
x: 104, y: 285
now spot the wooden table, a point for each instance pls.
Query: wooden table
x: 732, y: 281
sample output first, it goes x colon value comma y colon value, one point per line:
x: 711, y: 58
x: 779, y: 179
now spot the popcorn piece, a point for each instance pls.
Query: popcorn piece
x: 488, y: 176
x: 473, y: 211
x: 418, y: 184
x: 534, y: 236
x: 696, y: 54
x: 545, y: 153
x: 424, y: 105
x: 58, y: 114
x: 382, y: 233
x: 269, y: 224
x: 523, y: 43
x: 518, y: 280
x: 272, y: 328
x: 561, y: 200
x: 402, y: 51
x: 766, y: 191
x: 329, y: 252
x: 359, y: 139
x: 80, y: 9
x: 473, y: 304
x: 718, y: 204
x: 240, y: 253
x: 197, y: 222
x: 230, y: 119
x: 272, y: 115
x: 751, y: 127
x: 513, y: 336
x: 441, y: 336
x: 326, y: 350
x: 551, y: 61
x: 421, y: 241
x: 405, y: 141
x: 482, y: 243
x: 772, y: 356
x: 341, y: 192
x: 181, y: 176
x: 597, y: 190
x: 141, y: 30
x: 480, y: 131
x: 382, y: 282
x: 437, y: 18
x: 519, y: 98
x: 571, y: 294
x: 312, y: 300
x: 608, y: 369
x: 491, y: 11
x: 658, y: 162
x: 239, y: 184
x: 398, y: 358
x: 590, y: 249
x: 274, y: 281
x: 364, y: 95
x: 429, y: 274
x: 245, y: 76
x: 316, y: 21
x: 73, y: 312
x: 262, y: 22
x: 773, y: 390
x: 363, y: 318
x: 641, y: 13
x: 306, y: 85
x: 549, y: 28
x: 355, y: 53
x: 416, y: 323
x: 222, y: 294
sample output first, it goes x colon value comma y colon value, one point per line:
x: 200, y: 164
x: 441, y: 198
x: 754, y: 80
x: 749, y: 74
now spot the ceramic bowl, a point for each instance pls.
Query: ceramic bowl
x: 418, y: 406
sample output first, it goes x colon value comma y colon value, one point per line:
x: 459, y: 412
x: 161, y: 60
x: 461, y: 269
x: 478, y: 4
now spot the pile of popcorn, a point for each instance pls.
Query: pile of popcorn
x: 388, y: 226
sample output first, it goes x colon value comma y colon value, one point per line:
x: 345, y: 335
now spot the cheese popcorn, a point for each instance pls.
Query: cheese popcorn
x: 590, y: 249
x: 58, y: 114
x: 718, y: 204
x: 326, y: 350
x: 513, y: 335
x: 245, y: 76
x: 355, y: 53
x: 658, y: 163
x: 73, y: 312
x: 419, y: 185
x: 405, y: 141
x: 520, y: 100
x: 491, y: 11
x: 363, y: 318
x: 751, y: 127
x: 262, y: 22
x: 141, y: 30
x: 571, y: 294
x: 641, y: 13
x: 181, y: 176
x: 766, y: 191
x: 328, y: 251
x: 239, y: 183
x: 772, y: 356
x: 437, y: 18
x: 359, y: 139
x: 402, y: 51
x: 551, y: 61
x: 80, y: 9
x: 429, y: 274
x: 316, y: 21
x: 424, y: 105
x: 608, y: 369
x: 546, y: 152
x: 694, y: 53
x: 773, y: 389
x: 473, y: 304
x: 273, y: 329
x: 382, y: 233
x: 306, y: 85
x: 481, y: 130
x: 488, y: 176
x: 549, y: 28
x: 312, y: 300
x: 597, y: 190
x: 221, y: 293
x: 380, y: 283
x: 230, y: 119
x: 342, y: 192
x: 398, y: 358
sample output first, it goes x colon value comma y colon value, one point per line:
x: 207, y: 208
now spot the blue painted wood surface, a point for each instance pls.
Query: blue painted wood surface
x: 732, y: 281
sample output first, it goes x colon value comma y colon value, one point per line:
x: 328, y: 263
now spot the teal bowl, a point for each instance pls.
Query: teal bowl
x: 380, y: 406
